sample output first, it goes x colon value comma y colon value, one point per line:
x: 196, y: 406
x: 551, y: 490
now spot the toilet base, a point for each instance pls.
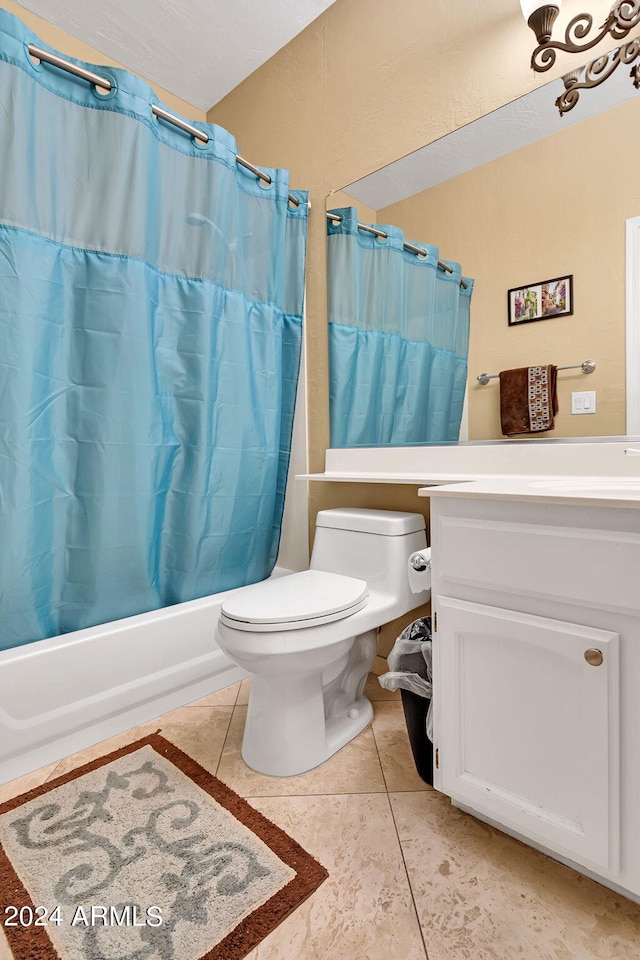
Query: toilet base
x: 292, y: 728
x: 284, y: 729
x: 341, y: 730
x: 314, y: 743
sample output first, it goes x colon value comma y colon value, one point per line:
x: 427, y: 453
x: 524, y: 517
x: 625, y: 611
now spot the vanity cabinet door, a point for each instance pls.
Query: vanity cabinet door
x: 529, y: 728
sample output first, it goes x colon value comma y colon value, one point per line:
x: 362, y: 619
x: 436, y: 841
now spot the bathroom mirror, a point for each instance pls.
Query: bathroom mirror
x: 516, y: 197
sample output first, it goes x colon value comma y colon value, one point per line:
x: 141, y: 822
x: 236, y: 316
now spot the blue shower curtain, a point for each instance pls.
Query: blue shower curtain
x: 398, y: 338
x: 150, y: 326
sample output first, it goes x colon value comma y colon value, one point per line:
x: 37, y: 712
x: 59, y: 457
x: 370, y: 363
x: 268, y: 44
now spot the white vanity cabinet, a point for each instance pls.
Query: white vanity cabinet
x: 537, y: 674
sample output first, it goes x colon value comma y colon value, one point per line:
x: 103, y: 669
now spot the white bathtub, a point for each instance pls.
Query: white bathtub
x: 60, y: 695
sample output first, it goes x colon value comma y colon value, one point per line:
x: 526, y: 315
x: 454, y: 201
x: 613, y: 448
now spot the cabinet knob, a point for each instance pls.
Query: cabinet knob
x: 593, y: 656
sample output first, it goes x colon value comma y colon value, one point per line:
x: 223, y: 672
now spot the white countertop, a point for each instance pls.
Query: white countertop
x: 504, y: 461
x: 591, y: 490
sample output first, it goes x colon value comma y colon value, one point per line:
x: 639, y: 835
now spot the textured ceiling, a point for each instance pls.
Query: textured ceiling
x: 197, y: 49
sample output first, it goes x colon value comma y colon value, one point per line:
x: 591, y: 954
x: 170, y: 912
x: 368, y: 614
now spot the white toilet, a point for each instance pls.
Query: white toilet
x: 310, y: 638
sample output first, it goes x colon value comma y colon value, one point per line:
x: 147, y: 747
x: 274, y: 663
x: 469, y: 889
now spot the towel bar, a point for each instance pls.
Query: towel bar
x: 587, y: 366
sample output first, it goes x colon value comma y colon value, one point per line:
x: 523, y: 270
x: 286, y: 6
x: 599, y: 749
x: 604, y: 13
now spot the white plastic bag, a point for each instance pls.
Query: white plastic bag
x: 416, y: 638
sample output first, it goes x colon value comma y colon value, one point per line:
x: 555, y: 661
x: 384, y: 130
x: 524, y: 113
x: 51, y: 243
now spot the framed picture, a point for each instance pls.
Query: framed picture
x: 540, y: 301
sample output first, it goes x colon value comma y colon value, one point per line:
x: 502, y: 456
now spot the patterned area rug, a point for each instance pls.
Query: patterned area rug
x: 143, y: 855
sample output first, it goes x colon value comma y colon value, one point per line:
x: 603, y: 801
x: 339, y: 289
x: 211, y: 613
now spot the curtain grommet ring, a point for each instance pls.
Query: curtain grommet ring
x: 101, y: 94
x: 33, y: 62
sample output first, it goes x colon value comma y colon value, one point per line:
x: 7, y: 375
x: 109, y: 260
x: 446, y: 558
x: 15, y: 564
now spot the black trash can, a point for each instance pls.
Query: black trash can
x: 415, y: 715
x: 409, y: 669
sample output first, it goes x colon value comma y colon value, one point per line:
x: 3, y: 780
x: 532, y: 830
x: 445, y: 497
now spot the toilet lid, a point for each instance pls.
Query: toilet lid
x: 284, y: 603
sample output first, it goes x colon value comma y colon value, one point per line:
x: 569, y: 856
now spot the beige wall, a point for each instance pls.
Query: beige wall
x: 366, y: 83
x: 73, y: 47
x: 553, y: 208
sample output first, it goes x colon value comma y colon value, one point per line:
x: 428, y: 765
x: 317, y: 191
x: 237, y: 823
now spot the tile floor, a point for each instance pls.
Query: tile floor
x: 411, y: 877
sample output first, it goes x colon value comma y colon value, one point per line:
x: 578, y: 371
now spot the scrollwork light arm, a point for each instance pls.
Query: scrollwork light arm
x: 597, y: 72
x: 622, y: 18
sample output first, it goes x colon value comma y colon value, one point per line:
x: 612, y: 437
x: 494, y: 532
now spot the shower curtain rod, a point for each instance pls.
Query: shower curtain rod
x: 105, y: 84
x: 408, y: 246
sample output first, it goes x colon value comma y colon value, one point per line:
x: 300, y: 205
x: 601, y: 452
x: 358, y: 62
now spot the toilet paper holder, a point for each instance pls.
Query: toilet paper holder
x: 420, y: 561
x: 419, y: 571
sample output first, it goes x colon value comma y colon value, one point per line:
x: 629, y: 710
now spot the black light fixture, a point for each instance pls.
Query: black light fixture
x: 623, y: 17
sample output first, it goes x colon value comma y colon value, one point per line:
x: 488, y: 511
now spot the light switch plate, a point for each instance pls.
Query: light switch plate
x: 583, y: 402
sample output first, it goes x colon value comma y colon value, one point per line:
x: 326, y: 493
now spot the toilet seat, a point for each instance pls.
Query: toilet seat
x: 294, y: 602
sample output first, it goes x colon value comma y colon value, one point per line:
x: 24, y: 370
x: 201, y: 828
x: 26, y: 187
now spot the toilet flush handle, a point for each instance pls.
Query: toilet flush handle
x: 420, y: 563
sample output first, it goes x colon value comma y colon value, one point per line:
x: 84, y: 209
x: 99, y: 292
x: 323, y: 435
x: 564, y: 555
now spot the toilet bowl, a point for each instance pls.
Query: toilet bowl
x: 310, y: 638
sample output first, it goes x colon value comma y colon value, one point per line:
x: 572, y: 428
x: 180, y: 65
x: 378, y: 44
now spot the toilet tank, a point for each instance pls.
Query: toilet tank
x: 372, y: 545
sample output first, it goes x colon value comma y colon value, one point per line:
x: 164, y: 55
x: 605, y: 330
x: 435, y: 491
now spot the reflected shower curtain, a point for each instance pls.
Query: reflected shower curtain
x: 150, y: 328
x: 398, y: 339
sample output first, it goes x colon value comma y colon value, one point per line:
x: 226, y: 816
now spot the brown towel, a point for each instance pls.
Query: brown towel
x: 528, y: 399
